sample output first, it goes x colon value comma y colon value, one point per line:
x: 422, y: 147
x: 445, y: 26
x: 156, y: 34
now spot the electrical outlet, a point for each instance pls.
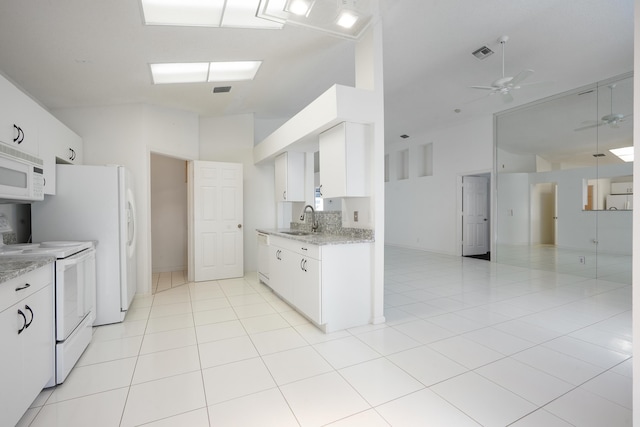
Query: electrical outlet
x: 355, y: 216
x: 582, y: 260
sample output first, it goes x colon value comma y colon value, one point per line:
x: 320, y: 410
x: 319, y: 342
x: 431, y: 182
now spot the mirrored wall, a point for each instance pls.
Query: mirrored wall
x: 564, y: 182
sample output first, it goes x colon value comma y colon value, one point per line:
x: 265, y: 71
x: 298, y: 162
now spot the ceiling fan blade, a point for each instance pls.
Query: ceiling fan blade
x: 520, y: 77
x: 483, y: 87
x: 590, y: 126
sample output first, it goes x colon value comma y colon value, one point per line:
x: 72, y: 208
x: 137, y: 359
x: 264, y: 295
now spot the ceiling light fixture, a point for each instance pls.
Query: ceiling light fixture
x: 205, y: 13
x: 299, y: 7
x: 201, y: 72
x: 343, y: 18
x: 179, y: 73
x: 624, y: 153
x: 233, y: 71
x: 347, y: 19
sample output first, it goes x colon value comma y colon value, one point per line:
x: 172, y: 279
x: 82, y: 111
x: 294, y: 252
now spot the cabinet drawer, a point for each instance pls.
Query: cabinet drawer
x: 21, y: 287
x: 302, y: 248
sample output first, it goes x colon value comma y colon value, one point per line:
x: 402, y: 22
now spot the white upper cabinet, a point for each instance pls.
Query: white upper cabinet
x: 289, y: 171
x: 343, y: 161
x: 27, y: 126
x: 58, y: 144
x: 18, y: 122
x: 622, y: 188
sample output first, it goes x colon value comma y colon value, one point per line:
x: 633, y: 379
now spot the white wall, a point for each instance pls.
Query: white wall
x: 168, y: 214
x: 230, y: 139
x: 422, y: 212
x: 126, y: 135
x: 512, y: 213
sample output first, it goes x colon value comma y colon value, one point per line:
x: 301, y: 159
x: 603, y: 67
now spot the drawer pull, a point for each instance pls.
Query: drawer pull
x: 22, y: 288
x: 24, y: 324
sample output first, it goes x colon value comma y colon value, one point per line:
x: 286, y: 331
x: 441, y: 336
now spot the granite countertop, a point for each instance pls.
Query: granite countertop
x: 15, y: 266
x: 319, y: 238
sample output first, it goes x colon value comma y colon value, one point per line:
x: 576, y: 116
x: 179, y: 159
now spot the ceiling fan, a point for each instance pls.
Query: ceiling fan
x: 612, y: 119
x: 504, y: 85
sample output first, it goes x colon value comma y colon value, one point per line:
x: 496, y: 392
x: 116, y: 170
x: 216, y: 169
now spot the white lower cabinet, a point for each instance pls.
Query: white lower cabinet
x: 26, y: 333
x: 328, y: 284
x: 307, y: 288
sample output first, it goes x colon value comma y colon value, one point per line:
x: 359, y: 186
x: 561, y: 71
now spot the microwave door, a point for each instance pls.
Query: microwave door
x: 14, y: 179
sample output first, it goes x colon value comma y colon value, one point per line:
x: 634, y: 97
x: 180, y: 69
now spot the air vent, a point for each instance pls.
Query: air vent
x: 482, y: 53
x: 222, y: 89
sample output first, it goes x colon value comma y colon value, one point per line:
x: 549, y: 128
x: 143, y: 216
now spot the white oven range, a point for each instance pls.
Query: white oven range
x: 75, y: 298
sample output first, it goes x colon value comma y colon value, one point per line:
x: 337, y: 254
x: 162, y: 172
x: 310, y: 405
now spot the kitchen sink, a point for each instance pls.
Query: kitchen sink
x: 297, y: 233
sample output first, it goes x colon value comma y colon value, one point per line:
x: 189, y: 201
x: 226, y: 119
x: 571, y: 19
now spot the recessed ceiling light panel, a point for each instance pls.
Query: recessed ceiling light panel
x: 347, y: 19
x: 206, y: 13
x: 624, y: 153
x: 183, y: 12
x: 233, y: 71
x: 201, y: 72
x: 299, y: 7
x: 179, y: 73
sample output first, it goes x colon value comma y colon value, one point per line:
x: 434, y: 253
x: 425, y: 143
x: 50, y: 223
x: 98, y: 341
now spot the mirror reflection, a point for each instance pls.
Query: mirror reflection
x: 564, y: 182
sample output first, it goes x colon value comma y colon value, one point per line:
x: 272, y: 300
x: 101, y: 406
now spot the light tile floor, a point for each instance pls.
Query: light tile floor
x: 167, y: 280
x: 466, y: 343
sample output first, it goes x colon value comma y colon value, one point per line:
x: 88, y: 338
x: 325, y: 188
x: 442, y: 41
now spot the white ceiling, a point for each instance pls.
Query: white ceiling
x: 71, y: 53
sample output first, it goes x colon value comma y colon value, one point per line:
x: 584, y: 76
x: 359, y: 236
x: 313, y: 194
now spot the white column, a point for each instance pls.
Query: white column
x: 369, y: 75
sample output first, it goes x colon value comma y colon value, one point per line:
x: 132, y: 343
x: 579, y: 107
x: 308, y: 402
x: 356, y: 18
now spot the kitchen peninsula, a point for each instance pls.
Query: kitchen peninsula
x: 325, y: 276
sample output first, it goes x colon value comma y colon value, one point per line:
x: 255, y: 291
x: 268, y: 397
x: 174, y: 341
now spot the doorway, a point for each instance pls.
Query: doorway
x: 543, y: 215
x: 475, y: 216
x: 168, y: 180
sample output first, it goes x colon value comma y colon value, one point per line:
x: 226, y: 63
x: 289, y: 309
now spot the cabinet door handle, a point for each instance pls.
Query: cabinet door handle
x: 284, y: 195
x: 72, y: 154
x: 24, y: 324
x: 320, y: 190
x: 19, y: 134
x: 26, y: 307
x: 22, y: 288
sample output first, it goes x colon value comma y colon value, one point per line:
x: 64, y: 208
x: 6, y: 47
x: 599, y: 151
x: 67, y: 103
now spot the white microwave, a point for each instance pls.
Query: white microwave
x: 21, y: 176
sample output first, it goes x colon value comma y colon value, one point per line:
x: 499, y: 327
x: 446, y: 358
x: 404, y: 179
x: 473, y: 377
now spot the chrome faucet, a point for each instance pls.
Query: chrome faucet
x: 314, y: 223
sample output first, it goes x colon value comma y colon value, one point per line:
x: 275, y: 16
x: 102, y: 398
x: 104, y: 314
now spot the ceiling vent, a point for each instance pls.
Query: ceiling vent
x: 222, y: 89
x: 482, y: 53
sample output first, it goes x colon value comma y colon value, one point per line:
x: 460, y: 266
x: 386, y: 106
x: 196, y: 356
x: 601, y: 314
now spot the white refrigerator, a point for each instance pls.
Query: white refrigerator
x: 95, y: 203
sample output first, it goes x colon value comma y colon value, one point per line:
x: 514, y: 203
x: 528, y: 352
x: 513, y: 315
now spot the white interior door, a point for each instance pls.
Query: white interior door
x: 215, y: 220
x: 475, y: 215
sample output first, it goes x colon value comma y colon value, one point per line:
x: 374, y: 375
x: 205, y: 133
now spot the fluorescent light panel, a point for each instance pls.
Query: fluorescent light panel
x: 347, y: 19
x: 233, y: 71
x: 299, y: 7
x: 201, y: 72
x: 624, y: 153
x: 205, y: 13
x: 180, y: 73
